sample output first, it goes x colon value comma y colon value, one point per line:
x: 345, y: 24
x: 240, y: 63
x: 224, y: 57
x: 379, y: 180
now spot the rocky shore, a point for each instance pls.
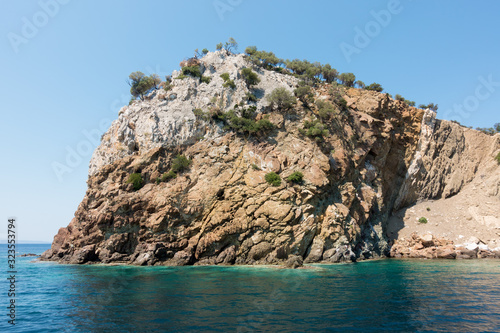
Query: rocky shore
x: 430, y: 247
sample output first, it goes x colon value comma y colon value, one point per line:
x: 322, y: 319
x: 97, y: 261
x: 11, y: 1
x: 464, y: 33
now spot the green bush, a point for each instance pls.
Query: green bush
x: 325, y: 109
x: 204, y: 51
x: 281, y: 98
x: 181, y: 77
x: 180, y: 163
x: 168, y: 175
x: 136, y: 180
x: 272, y: 178
x: 205, y: 79
x: 198, y: 113
x: 360, y: 84
x: 375, y: 87
x: 245, y: 123
x: 141, y: 84
x: 422, y: 220
x: 255, y: 167
x: 304, y: 94
x: 193, y: 71
x: 296, y: 177
x: 342, y: 103
x: 432, y: 106
x: 262, y: 58
x: 228, y: 83
x: 347, y: 79
x: 498, y: 158
x: 314, y: 129
x: 250, y: 77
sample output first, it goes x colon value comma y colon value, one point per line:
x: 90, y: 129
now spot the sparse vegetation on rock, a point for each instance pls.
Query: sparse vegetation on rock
x: 314, y: 129
x: 272, y: 178
x: 228, y: 83
x: 250, y: 77
x: 431, y: 106
x: 281, y: 99
x: 136, y: 180
x: 296, y: 177
x: 180, y: 163
x: 141, y: 84
x: 422, y: 220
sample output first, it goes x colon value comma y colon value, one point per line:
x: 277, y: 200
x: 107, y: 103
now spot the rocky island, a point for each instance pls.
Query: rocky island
x: 235, y: 160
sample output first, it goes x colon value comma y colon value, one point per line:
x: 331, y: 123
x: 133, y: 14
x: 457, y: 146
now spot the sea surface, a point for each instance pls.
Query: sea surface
x: 372, y: 296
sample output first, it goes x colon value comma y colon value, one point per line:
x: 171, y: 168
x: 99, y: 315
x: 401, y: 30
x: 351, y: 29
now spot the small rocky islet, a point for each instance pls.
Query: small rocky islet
x: 233, y: 160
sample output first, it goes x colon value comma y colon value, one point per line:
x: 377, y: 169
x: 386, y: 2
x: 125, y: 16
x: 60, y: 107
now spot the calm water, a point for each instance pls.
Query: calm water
x: 377, y: 296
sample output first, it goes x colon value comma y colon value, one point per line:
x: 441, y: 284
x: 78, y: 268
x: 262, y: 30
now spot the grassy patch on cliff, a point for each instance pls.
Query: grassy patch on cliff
x: 136, y: 180
x: 272, y: 178
x: 296, y: 177
x: 498, y: 158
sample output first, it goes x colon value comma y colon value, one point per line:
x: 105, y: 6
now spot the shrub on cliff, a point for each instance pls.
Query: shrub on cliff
x: 168, y: 175
x: 375, y: 87
x: 141, y: 84
x: 228, y: 83
x: 314, y: 129
x: 347, y: 79
x: 205, y: 79
x: 304, y: 94
x: 498, y: 158
x: 246, y: 122
x: 250, y: 77
x: 296, y: 177
x: 272, y: 178
x: 281, y: 99
x: 193, y: 71
x: 180, y: 163
x: 325, y: 109
x: 231, y: 44
x: 329, y: 73
x: 136, y: 180
x: 432, y: 106
x: 422, y: 220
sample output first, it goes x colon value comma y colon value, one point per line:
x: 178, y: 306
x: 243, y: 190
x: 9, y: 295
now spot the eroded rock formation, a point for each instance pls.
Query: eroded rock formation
x: 380, y: 154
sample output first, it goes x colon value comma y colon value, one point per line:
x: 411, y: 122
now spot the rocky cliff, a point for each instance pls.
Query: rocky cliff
x: 380, y: 155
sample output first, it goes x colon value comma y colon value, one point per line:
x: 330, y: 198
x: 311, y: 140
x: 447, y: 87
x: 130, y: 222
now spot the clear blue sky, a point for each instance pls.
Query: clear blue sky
x: 63, y: 70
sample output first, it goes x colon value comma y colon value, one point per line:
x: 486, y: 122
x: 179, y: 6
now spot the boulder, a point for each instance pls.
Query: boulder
x: 294, y: 262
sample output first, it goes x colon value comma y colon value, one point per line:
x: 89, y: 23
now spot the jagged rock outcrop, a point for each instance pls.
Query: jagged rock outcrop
x: 222, y: 210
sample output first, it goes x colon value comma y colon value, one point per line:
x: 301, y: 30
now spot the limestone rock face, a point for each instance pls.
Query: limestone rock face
x: 447, y: 159
x: 166, y: 118
x: 379, y: 154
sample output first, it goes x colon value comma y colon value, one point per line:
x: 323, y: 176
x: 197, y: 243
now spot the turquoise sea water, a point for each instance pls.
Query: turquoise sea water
x: 374, y: 296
